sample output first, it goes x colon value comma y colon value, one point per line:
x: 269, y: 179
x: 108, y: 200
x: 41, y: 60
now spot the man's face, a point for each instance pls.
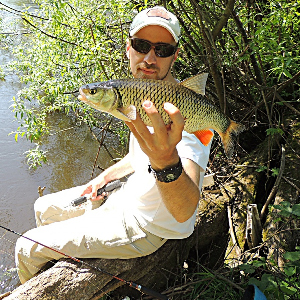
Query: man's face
x: 149, y: 65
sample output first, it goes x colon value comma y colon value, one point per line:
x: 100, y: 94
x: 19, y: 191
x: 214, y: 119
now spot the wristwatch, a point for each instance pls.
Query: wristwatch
x: 168, y: 174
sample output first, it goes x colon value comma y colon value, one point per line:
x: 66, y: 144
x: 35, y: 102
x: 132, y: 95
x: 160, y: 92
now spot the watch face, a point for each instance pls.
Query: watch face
x: 170, y: 177
x: 167, y: 175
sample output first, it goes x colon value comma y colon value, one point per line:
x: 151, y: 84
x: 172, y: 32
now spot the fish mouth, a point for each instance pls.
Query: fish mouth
x: 82, y: 96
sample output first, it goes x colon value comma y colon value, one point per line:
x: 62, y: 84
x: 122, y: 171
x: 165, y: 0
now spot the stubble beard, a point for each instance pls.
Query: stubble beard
x: 141, y: 75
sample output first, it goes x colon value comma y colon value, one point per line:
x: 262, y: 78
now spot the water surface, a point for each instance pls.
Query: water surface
x: 71, y: 155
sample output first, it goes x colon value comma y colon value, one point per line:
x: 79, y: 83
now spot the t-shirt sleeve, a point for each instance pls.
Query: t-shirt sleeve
x: 190, y: 147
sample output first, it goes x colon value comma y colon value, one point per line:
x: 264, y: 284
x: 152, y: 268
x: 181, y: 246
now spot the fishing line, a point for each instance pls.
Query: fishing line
x: 132, y: 284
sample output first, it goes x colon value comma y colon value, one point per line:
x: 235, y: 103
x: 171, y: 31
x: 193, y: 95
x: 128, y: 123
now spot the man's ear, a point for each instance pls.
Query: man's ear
x: 127, y: 48
x: 176, y: 54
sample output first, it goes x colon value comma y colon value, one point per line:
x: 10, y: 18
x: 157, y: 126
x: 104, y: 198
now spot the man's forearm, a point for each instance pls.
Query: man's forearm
x: 181, y: 196
x: 118, y: 170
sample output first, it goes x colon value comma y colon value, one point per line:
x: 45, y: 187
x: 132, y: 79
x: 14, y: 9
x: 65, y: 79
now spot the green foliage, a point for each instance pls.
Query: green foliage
x: 208, y: 286
x: 274, y: 131
x: 2, y: 74
x: 35, y: 157
x: 72, y: 44
x: 287, y: 210
x: 274, y: 171
x: 274, y: 283
x: 277, y: 283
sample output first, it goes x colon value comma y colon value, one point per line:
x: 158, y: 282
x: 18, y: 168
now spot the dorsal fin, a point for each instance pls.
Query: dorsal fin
x: 196, y: 83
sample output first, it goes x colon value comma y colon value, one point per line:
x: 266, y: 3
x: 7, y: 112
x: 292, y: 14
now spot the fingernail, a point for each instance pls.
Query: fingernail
x: 147, y: 104
x: 168, y: 105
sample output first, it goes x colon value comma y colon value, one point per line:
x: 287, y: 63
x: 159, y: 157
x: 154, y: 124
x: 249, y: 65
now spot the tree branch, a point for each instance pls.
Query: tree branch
x: 53, y: 36
x: 224, y: 18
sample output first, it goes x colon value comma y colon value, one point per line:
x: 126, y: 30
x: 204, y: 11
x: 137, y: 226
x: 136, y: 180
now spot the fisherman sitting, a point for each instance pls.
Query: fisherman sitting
x: 148, y: 210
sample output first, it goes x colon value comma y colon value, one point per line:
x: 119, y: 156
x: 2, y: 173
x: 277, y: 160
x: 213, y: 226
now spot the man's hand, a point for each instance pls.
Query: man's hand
x: 92, y: 188
x: 159, y: 146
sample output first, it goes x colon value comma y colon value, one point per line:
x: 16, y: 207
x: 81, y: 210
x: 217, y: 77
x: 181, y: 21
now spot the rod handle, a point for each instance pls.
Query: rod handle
x: 109, y: 187
x: 106, y: 188
x: 78, y: 201
x: 152, y: 293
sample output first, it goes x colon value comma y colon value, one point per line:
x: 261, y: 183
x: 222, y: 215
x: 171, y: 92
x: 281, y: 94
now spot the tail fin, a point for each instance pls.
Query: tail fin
x: 229, y: 137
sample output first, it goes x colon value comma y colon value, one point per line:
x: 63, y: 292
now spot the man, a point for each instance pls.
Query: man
x: 137, y: 219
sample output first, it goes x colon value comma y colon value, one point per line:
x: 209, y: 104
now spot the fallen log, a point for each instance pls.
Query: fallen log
x: 159, y: 271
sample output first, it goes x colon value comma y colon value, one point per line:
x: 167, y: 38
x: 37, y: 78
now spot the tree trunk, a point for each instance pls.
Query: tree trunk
x: 284, y: 235
x: 68, y: 279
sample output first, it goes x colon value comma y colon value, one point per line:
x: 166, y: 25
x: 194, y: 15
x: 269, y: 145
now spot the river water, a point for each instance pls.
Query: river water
x: 71, y: 155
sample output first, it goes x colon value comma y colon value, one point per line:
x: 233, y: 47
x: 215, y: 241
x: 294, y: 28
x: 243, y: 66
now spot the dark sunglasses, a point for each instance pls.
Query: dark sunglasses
x: 160, y: 49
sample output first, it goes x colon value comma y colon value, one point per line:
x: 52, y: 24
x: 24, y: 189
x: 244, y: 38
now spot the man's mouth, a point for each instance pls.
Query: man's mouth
x: 147, y: 71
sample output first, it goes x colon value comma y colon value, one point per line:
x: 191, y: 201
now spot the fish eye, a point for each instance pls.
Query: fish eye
x: 93, y: 91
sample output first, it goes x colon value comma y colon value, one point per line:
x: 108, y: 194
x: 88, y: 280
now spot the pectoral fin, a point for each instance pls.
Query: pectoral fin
x: 204, y: 136
x: 129, y: 112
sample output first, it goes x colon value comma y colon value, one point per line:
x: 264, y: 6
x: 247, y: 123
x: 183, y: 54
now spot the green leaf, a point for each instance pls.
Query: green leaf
x: 275, y: 172
x: 289, y: 271
x: 288, y: 290
x: 296, y: 209
x: 247, y: 268
x: 261, y: 169
x: 292, y: 256
x: 273, y: 131
x: 287, y: 73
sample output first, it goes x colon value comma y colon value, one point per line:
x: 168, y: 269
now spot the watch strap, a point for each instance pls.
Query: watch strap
x: 167, y: 175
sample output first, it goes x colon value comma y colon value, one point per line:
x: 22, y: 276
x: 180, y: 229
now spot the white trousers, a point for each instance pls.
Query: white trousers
x: 85, y: 231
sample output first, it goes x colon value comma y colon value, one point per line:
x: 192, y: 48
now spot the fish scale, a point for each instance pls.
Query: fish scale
x: 123, y: 98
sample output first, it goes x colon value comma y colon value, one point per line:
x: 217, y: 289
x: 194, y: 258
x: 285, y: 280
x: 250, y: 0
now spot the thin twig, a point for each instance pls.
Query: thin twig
x: 291, y: 183
x: 276, y: 185
x: 104, y: 132
x: 287, y: 104
x: 232, y: 232
x: 4, y: 295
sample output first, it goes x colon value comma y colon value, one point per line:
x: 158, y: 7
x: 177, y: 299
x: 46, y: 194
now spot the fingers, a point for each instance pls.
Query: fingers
x: 174, y: 129
x: 177, y: 125
x: 95, y: 196
x: 175, y: 115
x: 92, y: 188
x: 159, y: 146
x: 87, y: 190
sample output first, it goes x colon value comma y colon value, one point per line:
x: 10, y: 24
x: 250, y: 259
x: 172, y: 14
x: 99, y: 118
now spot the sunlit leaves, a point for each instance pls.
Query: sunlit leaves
x: 72, y: 43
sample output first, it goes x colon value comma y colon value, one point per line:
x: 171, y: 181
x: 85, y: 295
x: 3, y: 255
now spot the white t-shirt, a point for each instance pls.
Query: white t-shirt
x: 143, y: 199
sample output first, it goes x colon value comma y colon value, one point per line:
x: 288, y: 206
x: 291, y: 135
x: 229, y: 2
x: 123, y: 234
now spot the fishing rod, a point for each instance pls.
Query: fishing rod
x: 112, y: 185
x: 132, y: 284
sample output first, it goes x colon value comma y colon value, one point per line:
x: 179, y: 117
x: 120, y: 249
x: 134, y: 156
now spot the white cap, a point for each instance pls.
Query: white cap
x: 157, y: 15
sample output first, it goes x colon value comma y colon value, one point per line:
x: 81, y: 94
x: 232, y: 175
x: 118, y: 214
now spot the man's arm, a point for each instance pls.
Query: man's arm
x: 182, y: 195
x: 116, y: 171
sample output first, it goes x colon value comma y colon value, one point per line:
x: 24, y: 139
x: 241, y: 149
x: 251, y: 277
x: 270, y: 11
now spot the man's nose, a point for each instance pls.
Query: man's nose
x: 150, y: 57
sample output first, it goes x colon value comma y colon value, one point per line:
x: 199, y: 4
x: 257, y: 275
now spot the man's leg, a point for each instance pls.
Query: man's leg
x: 100, y: 233
x: 57, y: 207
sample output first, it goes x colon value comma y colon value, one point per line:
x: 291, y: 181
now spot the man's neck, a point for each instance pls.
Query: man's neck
x: 170, y: 78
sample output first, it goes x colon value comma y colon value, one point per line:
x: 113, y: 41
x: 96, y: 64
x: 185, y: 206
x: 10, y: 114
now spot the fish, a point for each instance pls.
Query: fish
x: 123, y: 98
